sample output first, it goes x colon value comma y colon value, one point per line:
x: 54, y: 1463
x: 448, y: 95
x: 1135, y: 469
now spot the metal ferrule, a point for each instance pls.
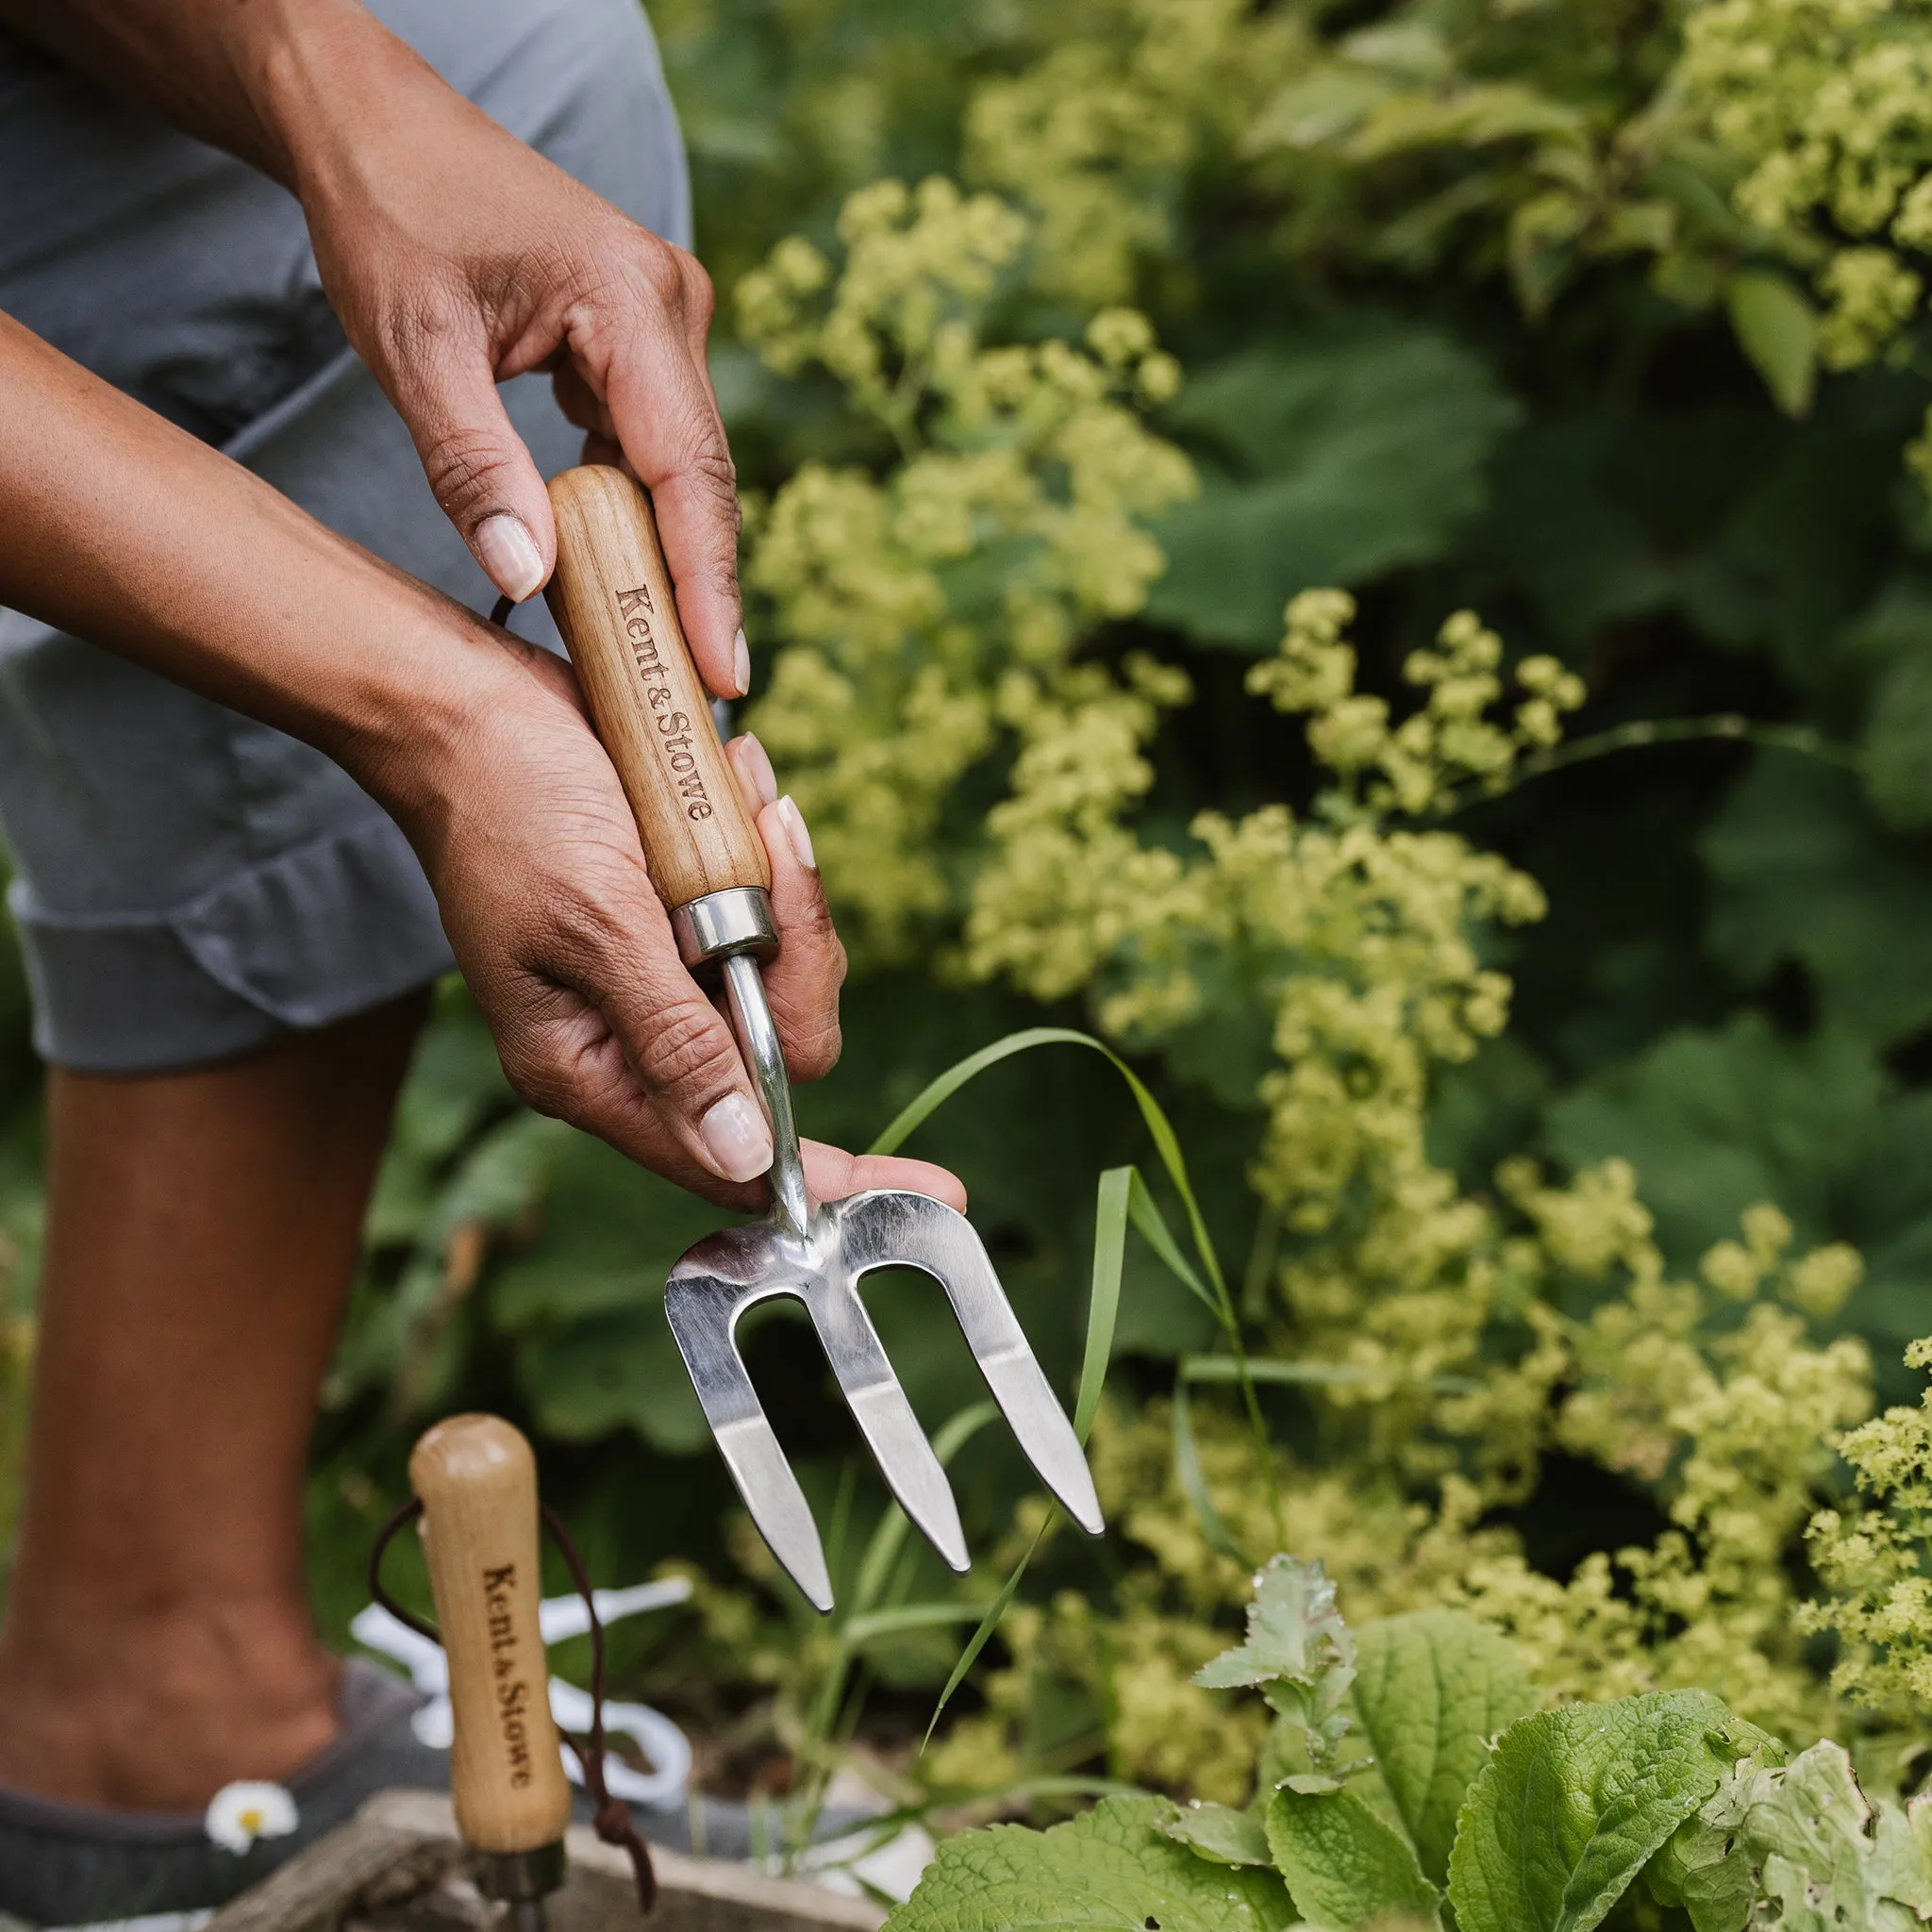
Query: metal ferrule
x: 522, y: 1877
x: 738, y: 919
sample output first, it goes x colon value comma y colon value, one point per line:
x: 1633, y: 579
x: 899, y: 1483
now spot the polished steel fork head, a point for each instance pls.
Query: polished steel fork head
x: 843, y: 1240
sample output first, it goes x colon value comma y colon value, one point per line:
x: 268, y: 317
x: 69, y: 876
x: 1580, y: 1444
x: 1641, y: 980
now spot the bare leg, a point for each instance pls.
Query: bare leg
x: 202, y: 1234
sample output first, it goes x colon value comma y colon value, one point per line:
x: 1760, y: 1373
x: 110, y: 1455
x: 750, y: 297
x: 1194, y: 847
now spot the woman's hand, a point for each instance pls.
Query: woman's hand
x: 535, y: 857
x: 456, y: 257
x: 123, y: 529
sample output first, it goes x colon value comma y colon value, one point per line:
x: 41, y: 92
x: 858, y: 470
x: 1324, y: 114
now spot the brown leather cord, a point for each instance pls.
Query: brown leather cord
x: 384, y: 1536
x: 611, y: 1819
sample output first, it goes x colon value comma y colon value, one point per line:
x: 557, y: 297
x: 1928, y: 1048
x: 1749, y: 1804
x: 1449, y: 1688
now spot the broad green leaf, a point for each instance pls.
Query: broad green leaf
x: 1108, y: 1868
x: 1777, y: 328
x: 1800, y: 873
x: 1294, y: 1631
x: 613, y: 1371
x: 1713, y: 1122
x: 1574, y: 1802
x: 1431, y: 1690
x: 1470, y: 115
x: 1898, y: 744
x: 1694, y: 1868
x: 1315, y: 107
x: 1326, y: 459
x: 1343, y: 1865
x: 1216, y: 1831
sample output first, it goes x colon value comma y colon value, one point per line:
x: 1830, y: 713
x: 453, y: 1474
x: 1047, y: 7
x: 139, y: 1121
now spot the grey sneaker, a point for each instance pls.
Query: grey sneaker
x: 72, y: 1865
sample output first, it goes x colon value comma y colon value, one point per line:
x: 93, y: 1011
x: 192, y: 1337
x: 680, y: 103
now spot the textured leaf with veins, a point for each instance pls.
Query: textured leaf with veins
x: 1108, y: 1870
x: 1573, y: 1803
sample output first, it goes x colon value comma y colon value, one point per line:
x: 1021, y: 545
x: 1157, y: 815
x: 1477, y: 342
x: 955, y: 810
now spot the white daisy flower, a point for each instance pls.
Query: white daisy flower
x: 239, y: 1813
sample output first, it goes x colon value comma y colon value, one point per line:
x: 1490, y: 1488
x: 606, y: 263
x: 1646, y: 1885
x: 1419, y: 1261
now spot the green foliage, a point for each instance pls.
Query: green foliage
x: 1556, y: 1819
x: 1799, y: 880
x: 1330, y: 457
x: 1108, y: 1868
x: 1345, y: 1866
x: 1431, y: 1689
x: 1573, y: 1803
x: 1217, y: 1832
x: 1799, y: 1845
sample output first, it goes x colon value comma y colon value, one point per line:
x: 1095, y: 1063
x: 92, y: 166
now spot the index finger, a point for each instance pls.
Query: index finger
x: 661, y: 404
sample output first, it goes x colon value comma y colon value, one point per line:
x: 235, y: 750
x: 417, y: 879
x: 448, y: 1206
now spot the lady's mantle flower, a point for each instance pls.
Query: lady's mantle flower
x: 239, y: 1813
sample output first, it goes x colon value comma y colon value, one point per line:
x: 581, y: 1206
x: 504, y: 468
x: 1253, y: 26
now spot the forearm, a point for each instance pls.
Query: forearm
x: 128, y: 532
x: 275, y: 82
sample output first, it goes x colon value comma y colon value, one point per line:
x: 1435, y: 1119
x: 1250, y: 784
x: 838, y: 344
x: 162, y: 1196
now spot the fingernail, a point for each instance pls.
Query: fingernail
x: 741, y: 663
x: 509, y: 553
x: 794, y: 821
x: 737, y: 1138
x: 758, y: 768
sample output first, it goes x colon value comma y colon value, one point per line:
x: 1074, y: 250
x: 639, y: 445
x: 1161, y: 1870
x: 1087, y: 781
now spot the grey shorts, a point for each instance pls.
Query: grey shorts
x: 189, y: 884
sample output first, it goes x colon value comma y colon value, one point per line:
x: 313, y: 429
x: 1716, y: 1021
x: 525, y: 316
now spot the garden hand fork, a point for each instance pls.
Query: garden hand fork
x: 611, y: 597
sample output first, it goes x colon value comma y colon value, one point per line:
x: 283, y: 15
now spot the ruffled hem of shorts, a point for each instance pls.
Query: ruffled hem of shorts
x: 329, y: 928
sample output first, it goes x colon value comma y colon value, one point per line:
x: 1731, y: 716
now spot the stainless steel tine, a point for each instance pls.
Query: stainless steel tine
x: 703, y: 1308
x: 885, y: 1418
x: 884, y: 1229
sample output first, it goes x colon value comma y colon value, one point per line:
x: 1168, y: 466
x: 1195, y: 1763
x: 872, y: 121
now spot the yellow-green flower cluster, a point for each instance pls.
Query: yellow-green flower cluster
x: 1875, y: 1562
x: 1451, y: 741
x: 1011, y: 524
x: 1095, y: 137
x: 1435, y: 1315
x: 1828, y: 106
x: 1729, y: 1422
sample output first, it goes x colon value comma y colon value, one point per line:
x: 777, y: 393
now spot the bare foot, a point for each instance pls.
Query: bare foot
x: 160, y: 1714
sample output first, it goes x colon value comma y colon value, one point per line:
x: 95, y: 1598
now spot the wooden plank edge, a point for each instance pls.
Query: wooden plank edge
x: 694, y: 1890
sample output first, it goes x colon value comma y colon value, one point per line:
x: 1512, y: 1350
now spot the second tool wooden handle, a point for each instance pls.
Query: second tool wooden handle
x: 612, y: 600
x: 476, y: 1480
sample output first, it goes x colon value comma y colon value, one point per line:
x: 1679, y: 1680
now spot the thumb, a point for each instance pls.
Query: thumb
x: 478, y: 468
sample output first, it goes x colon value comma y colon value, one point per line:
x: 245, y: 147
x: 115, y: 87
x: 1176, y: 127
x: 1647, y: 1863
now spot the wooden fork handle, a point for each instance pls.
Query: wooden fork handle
x: 476, y: 1480
x: 612, y: 599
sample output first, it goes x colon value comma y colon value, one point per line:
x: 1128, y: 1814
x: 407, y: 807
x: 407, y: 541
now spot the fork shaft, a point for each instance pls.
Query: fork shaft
x: 758, y: 1038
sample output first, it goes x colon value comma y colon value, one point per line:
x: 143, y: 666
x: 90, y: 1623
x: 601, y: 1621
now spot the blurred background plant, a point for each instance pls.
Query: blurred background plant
x: 1062, y: 346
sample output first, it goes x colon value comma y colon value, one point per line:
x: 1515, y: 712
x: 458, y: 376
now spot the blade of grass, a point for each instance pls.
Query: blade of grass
x: 884, y: 1545
x: 1110, y: 1208
x: 888, y: 1538
x: 886, y: 1826
x: 1154, y: 1230
x: 887, y: 1623
x: 1221, y: 1368
x: 987, y: 1624
x: 1188, y: 1472
x: 1166, y: 1143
